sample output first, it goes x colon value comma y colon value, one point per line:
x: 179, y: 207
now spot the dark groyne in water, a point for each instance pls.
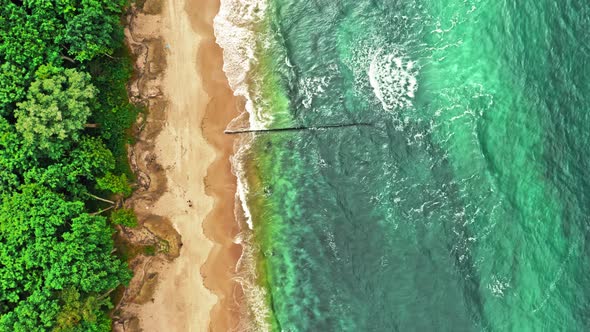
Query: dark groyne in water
x: 302, y: 128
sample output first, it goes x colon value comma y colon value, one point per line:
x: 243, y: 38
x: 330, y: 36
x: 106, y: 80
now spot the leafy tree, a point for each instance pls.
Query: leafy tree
x: 35, y: 313
x: 12, y: 85
x: 56, y: 261
x: 91, y: 28
x: 73, y: 173
x: 115, y: 114
x: 14, y: 159
x: 56, y: 109
x: 80, y: 313
x: 26, y: 42
x: 36, y: 32
x: 125, y: 217
x: 48, y: 245
x: 117, y: 184
x: 28, y: 33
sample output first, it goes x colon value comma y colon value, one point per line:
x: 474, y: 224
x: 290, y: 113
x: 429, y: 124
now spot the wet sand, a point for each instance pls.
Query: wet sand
x: 220, y: 225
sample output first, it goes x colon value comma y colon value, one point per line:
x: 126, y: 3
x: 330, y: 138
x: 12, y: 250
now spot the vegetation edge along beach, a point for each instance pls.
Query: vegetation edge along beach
x: 64, y: 128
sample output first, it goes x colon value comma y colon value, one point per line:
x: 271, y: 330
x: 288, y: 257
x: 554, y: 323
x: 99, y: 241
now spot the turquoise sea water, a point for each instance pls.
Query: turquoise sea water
x: 464, y: 207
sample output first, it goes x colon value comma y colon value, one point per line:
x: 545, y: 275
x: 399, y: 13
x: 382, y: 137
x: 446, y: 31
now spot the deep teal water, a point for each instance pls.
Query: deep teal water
x: 465, y: 206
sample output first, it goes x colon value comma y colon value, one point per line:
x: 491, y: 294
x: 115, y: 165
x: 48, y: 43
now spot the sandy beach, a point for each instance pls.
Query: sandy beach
x: 187, y: 190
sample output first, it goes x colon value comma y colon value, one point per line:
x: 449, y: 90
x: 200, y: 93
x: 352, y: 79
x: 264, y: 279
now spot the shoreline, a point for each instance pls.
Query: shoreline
x: 186, y: 190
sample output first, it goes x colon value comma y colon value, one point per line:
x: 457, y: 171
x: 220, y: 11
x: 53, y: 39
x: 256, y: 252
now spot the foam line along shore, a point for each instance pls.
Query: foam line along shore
x: 242, y: 31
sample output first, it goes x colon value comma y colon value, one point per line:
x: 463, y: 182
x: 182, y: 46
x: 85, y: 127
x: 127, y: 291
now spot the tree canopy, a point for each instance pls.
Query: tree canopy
x: 90, y: 28
x: 55, y: 111
x: 37, y: 32
x: 14, y: 159
x: 57, y: 258
x: 49, y: 245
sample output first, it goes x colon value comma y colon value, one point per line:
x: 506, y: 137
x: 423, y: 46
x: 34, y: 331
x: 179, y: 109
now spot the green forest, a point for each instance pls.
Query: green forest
x: 64, y: 127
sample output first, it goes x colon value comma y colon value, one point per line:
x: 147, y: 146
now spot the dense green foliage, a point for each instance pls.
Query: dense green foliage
x: 125, y: 217
x: 50, y: 245
x: 55, y: 110
x: 37, y: 32
x: 64, y: 116
x: 115, y: 184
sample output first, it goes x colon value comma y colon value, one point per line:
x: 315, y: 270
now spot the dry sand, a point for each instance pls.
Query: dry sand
x: 182, y: 162
x: 181, y: 302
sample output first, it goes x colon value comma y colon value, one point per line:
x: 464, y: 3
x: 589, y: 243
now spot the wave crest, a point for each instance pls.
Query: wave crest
x: 393, y: 79
x: 234, y: 28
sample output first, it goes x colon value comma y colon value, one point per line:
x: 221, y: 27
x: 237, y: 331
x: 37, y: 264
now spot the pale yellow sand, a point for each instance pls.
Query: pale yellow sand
x: 181, y: 302
x: 184, y: 179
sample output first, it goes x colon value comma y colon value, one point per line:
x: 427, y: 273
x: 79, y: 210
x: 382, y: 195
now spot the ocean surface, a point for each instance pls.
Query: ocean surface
x: 461, y: 200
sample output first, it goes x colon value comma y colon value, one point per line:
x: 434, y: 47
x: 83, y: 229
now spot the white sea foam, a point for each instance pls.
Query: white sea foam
x: 311, y: 87
x: 314, y: 86
x: 234, y: 28
x: 258, y: 312
x: 234, y: 33
x: 498, y: 286
x: 393, y: 79
x: 242, y: 185
x: 255, y: 295
x: 387, y: 70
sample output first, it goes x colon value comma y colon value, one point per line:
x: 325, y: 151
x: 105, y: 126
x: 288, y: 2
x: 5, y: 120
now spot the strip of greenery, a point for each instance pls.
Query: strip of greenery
x: 64, y: 121
x: 124, y: 217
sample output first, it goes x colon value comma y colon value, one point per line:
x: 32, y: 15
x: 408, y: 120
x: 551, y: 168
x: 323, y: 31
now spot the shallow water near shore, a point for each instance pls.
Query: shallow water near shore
x: 463, y: 207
